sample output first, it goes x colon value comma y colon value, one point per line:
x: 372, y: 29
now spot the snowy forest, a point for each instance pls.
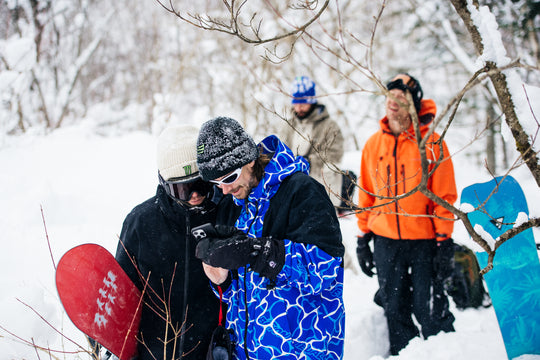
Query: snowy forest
x: 123, y: 68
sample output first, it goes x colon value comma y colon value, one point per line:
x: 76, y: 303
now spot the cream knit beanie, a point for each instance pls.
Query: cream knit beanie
x: 176, y: 152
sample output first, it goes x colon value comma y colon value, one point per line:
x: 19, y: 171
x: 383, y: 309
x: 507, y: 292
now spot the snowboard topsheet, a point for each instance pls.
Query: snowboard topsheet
x: 514, y: 281
x: 99, y: 298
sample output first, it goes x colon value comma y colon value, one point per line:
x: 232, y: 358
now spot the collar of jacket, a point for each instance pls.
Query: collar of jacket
x: 173, y: 209
x: 283, y: 164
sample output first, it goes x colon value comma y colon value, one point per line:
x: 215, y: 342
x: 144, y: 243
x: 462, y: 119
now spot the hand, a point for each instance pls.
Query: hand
x: 443, y: 262
x: 225, y: 247
x: 229, y: 248
x: 364, y: 254
x: 271, y: 257
x: 216, y: 275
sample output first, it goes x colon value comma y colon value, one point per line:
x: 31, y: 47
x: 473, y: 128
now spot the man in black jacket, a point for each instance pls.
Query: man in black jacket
x: 157, y: 252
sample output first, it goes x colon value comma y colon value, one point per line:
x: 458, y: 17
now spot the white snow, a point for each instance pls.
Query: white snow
x: 523, y: 95
x: 466, y: 207
x: 86, y: 184
x: 521, y: 219
x: 486, y: 23
x: 485, y: 235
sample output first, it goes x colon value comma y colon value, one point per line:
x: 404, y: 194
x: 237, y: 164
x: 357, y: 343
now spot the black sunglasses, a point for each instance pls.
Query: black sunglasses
x: 183, y: 189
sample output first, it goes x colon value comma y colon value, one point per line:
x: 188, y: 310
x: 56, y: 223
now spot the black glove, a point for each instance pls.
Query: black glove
x: 230, y: 248
x: 270, y: 258
x: 364, y: 254
x: 444, y: 263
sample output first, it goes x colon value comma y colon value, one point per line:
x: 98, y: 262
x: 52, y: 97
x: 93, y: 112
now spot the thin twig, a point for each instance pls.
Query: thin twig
x: 47, y: 237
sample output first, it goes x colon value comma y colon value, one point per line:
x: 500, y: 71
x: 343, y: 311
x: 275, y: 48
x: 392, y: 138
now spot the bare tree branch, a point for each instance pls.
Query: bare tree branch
x: 335, y: 45
x: 500, y: 83
x: 234, y: 27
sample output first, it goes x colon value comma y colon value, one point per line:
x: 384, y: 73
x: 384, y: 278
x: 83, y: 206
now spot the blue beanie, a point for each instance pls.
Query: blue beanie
x: 303, y: 91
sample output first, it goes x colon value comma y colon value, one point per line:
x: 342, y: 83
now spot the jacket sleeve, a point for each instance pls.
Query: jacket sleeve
x: 443, y: 184
x: 127, y: 248
x: 308, y: 268
x: 302, y: 212
x: 366, y: 188
x: 306, y: 221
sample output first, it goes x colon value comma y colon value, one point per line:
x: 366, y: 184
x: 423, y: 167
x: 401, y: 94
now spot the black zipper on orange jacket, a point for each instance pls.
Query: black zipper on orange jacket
x: 396, y: 180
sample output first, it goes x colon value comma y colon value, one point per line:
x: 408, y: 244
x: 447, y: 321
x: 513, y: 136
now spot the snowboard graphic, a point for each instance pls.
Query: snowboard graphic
x: 514, y: 282
x: 99, y: 298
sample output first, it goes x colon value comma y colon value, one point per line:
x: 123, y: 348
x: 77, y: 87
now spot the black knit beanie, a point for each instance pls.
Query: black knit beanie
x: 222, y: 147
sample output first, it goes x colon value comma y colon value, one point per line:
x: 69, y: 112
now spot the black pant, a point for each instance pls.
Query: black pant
x: 407, y: 287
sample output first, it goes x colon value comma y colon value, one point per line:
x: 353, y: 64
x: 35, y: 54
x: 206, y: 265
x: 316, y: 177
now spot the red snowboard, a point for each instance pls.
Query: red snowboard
x: 100, y: 299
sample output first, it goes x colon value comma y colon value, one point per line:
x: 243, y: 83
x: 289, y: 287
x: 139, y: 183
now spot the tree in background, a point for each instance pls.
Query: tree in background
x: 45, y: 48
x: 63, y: 62
x: 355, y: 60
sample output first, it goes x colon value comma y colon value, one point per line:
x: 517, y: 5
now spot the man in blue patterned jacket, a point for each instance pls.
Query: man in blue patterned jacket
x: 281, y: 264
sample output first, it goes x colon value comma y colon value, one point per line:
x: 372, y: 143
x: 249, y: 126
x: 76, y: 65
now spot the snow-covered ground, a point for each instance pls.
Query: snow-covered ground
x: 81, y: 186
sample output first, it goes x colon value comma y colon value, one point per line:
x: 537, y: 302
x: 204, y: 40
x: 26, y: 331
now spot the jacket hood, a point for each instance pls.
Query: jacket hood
x: 283, y: 164
x: 425, y: 116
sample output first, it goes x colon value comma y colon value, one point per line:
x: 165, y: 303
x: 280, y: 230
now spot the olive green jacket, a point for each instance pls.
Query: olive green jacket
x: 318, y: 139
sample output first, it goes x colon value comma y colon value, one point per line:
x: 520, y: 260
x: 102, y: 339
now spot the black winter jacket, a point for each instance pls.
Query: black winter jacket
x: 285, y: 217
x: 154, y: 234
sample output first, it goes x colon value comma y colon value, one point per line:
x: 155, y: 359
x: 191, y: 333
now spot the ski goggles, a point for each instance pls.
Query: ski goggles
x: 229, y: 179
x: 399, y: 84
x: 182, y: 188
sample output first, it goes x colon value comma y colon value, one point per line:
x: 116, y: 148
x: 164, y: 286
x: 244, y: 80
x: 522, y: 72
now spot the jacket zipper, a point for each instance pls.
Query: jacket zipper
x: 403, y: 177
x: 396, y: 181
x: 245, y: 288
x: 247, y: 315
x: 186, y: 281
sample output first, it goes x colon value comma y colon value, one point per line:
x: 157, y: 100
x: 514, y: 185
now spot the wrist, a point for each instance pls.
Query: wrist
x: 362, y: 241
x: 216, y: 275
x: 441, y: 237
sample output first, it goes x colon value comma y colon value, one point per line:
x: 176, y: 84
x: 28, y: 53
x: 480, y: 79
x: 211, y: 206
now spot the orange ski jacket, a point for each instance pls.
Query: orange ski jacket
x: 391, y: 167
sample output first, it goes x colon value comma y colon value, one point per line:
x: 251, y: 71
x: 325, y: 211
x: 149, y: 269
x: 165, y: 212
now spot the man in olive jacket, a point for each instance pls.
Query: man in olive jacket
x: 312, y: 134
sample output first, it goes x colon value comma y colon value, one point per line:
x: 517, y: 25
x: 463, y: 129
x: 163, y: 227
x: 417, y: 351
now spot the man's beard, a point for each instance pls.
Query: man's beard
x: 306, y: 114
x: 248, y: 188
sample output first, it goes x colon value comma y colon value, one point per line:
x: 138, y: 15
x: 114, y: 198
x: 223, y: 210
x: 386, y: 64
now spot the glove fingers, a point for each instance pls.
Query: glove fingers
x: 223, y: 231
x: 201, y: 250
x: 229, y: 253
x: 270, y: 257
x: 365, y: 259
x: 367, y: 268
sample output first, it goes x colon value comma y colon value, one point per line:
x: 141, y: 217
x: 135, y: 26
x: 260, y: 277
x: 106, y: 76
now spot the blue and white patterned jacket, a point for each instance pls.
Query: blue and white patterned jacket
x: 300, y: 315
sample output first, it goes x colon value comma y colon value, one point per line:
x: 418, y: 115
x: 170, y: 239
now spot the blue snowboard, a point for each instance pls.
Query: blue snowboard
x: 514, y: 282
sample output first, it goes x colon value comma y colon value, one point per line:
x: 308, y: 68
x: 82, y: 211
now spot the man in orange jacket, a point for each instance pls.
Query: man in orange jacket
x: 413, y: 248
